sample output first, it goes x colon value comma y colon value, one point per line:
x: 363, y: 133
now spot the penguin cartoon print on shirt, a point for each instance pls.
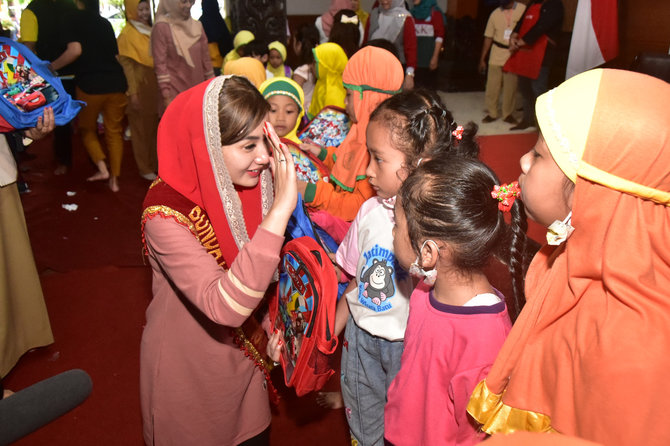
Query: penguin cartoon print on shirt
x: 377, y: 282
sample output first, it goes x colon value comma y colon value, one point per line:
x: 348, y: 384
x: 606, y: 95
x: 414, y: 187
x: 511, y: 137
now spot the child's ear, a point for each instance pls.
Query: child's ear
x: 429, y: 255
x: 264, y: 58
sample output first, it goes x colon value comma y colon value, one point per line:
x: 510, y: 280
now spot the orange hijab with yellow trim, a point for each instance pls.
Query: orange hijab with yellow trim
x: 374, y: 74
x: 588, y: 355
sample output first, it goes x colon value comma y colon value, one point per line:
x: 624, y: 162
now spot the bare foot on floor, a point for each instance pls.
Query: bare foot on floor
x: 7, y: 393
x: 330, y: 400
x: 103, y: 173
x: 114, y: 184
x: 100, y: 176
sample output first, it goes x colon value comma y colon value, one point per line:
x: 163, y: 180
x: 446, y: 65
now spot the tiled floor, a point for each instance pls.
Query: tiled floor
x: 469, y: 106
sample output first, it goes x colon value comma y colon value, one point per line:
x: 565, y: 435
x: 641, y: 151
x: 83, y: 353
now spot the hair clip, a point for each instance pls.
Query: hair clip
x: 346, y: 19
x: 458, y: 133
x: 506, y: 194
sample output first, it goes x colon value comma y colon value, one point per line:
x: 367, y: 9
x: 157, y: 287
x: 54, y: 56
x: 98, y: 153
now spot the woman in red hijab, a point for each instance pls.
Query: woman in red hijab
x: 212, y: 234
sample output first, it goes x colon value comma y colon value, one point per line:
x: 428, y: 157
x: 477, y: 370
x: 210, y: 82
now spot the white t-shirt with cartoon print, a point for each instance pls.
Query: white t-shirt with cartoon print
x: 381, y: 304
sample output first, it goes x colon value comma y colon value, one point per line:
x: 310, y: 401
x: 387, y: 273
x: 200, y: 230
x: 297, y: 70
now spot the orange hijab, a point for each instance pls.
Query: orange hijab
x: 588, y: 355
x: 374, y: 74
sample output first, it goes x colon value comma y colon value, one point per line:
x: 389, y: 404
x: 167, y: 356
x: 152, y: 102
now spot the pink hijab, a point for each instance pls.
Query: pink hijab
x: 328, y: 17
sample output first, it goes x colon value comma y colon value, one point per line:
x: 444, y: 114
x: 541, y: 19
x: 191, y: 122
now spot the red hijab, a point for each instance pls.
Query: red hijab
x: 190, y: 160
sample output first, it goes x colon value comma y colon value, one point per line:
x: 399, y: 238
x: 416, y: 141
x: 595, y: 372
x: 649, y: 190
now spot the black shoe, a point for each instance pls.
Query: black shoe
x: 510, y: 120
x: 522, y: 126
x: 488, y: 118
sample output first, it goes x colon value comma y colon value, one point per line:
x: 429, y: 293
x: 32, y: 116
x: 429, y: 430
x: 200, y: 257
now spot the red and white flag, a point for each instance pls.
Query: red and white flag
x: 595, y: 36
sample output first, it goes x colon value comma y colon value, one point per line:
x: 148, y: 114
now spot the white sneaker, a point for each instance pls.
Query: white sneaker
x: 149, y: 176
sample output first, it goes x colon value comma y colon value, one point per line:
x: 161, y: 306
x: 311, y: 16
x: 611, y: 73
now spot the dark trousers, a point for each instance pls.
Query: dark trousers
x: 262, y: 439
x: 62, y: 142
x: 530, y: 89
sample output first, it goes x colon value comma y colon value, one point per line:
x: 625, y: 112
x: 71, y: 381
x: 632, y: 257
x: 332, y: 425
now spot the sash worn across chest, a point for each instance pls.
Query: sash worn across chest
x: 163, y: 201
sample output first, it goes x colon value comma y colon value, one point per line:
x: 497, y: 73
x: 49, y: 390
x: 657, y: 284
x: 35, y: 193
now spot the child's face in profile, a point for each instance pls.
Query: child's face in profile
x: 545, y: 190
x: 385, y: 171
x: 402, y: 248
x: 349, y: 104
x: 275, y: 59
x: 283, y: 113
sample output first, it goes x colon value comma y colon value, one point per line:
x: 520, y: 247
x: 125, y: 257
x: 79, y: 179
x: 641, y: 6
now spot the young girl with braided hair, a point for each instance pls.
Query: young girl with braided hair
x: 402, y: 130
x: 448, y: 226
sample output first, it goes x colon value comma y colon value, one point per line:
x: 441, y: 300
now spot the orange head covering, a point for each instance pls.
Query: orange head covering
x: 588, y: 355
x: 374, y: 74
x: 248, y: 67
x: 185, y: 32
x: 191, y: 162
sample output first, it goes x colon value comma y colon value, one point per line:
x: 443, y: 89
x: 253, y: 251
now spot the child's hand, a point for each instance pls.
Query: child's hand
x: 275, y: 345
x: 310, y: 147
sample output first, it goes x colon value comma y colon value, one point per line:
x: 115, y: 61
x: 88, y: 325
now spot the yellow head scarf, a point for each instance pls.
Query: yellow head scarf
x: 134, y: 41
x: 279, y: 71
x: 241, y: 38
x: 248, y: 67
x: 286, y: 87
x: 330, y: 61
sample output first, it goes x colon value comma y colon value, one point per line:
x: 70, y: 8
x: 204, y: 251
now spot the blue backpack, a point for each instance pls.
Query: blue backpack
x: 27, y: 85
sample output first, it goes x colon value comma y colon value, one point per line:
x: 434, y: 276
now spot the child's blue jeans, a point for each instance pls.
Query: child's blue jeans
x: 369, y: 364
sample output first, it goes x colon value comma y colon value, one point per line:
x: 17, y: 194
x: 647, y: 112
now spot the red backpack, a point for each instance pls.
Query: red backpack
x: 304, y: 310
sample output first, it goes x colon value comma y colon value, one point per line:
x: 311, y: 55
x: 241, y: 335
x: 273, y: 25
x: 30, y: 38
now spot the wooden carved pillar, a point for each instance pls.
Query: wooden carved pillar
x: 265, y: 18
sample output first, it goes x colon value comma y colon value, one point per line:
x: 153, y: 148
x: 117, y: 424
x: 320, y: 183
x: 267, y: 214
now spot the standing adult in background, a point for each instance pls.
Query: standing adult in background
x: 534, y: 44
x: 324, y: 23
x: 180, y: 51
x: 429, y: 27
x: 499, y: 27
x: 41, y: 27
x: 391, y: 21
x: 101, y: 84
x: 24, y: 322
x: 138, y: 65
x: 219, y: 39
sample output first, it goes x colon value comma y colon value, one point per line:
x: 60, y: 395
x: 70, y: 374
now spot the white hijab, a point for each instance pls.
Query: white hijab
x: 391, y: 21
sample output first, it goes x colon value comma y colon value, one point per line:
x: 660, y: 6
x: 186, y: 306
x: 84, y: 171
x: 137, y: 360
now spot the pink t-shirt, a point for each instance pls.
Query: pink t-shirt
x: 448, y: 350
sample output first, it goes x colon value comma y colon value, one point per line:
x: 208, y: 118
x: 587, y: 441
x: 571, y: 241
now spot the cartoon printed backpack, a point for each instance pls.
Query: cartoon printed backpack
x: 305, y: 303
x: 27, y: 85
x: 328, y: 128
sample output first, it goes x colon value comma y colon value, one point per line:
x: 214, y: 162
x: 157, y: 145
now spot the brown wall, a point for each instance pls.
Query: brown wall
x: 644, y: 25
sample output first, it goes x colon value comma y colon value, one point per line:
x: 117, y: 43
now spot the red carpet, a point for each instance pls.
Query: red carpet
x: 97, y: 288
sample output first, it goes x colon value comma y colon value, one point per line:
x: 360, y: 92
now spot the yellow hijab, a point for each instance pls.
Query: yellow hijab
x: 134, y: 41
x: 248, y: 67
x: 241, y: 38
x: 286, y: 87
x: 279, y: 47
x: 330, y: 61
